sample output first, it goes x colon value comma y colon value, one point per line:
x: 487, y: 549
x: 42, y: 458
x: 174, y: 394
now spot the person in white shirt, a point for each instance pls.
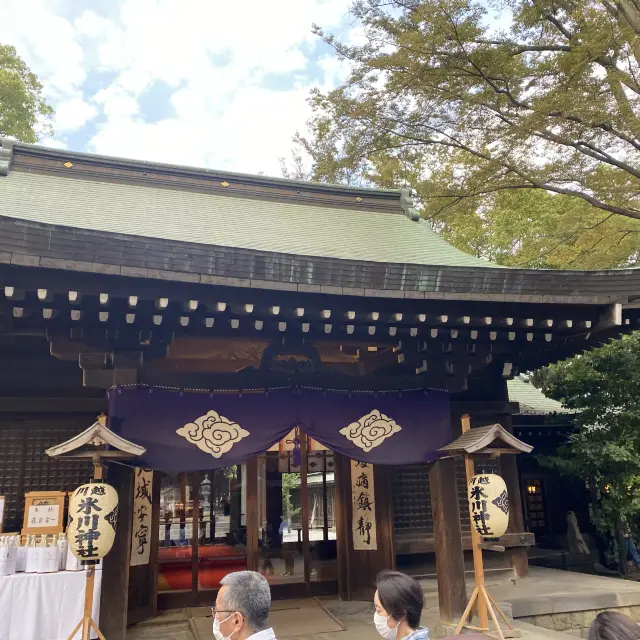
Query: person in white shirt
x: 242, y: 608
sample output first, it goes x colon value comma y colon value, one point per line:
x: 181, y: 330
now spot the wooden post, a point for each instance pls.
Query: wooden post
x: 86, y: 625
x: 325, y: 504
x: 304, y: 497
x: 480, y: 597
x: 251, y: 521
x: 478, y: 566
x: 452, y: 592
x: 509, y: 469
x: 342, y: 514
x: 142, y: 579
x: 194, y: 478
x: 88, y: 602
x: 115, y: 607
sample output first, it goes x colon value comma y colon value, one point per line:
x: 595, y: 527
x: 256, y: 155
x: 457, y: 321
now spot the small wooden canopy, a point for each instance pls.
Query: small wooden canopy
x: 97, y: 435
x: 494, y: 439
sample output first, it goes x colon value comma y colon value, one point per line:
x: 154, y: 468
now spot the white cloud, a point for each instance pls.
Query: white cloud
x: 213, y: 60
x: 72, y: 114
x: 47, y: 42
x: 335, y: 70
x: 91, y: 25
x: 116, y: 102
x: 53, y: 143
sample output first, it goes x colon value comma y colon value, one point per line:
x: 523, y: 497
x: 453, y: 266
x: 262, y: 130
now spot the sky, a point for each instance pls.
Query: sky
x: 206, y: 83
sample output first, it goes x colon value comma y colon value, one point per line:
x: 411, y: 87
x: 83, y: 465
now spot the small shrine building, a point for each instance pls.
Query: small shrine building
x: 312, y: 327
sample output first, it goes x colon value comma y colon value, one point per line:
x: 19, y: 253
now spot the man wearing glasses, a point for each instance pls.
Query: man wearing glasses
x: 242, y: 608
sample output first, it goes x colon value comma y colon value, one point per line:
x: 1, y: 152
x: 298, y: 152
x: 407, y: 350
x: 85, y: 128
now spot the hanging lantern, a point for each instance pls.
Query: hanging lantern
x: 93, y: 514
x: 489, y: 505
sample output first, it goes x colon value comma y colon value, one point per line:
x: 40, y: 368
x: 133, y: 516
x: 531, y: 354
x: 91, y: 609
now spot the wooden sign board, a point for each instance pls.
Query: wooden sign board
x: 142, y: 517
x: 44, y: 512
x: 3, y: 502
x: 365, y: 534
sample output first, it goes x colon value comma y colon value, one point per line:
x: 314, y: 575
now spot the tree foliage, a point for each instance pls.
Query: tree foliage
x: 290, y: 481
x: 536, y: 229
x: 24, y: 113
x: 538, y: 118
x: 603, y: 387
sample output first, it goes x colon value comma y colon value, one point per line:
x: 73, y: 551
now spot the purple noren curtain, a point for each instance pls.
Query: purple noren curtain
x: 191, y: 431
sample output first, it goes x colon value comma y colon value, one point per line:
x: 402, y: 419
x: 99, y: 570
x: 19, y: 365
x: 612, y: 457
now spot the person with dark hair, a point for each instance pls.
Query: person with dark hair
x: 398, y: 601
x: 610, y: 625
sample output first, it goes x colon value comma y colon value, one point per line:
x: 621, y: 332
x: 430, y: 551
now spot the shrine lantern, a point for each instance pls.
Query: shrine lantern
x: 488, y: 505
x: 93, y: 515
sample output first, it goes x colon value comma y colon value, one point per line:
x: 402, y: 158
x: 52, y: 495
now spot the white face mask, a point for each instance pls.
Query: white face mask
x: 216, y: 629
x: 388, y: 633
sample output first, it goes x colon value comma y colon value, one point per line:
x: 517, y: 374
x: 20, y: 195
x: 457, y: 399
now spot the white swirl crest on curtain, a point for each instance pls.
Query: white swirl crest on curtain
x: 371, y: 430
x: 213, y: 433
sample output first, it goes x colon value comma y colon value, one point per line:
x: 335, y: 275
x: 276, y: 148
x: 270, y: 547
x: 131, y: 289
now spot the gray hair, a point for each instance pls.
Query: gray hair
x: 248, y: 593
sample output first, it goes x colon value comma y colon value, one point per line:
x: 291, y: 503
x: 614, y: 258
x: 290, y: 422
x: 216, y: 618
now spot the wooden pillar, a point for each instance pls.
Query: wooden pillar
x: 194, y: 478
x: 304, y: 498
x: 143, y: 579
x: 115, y: 570
x: 357, y: 570
x: 509, y: 470
x: 452, y: 592
x: 344, y: 541
x: 251, y: 521
x: 325, y: 505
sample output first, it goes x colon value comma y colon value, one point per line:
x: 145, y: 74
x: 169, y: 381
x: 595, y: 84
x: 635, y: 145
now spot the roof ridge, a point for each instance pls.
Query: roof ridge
x: 134, y: 162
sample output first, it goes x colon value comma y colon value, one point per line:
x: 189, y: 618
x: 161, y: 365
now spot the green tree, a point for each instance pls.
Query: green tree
x: 289, y: 482
x: 603, y: 387
x: 536, y: 229
x: 24, y: 113
x: 483, y: 121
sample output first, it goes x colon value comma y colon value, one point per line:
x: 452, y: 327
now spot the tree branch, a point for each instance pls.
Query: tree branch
x: 525, y: 48
x: 535, y: 182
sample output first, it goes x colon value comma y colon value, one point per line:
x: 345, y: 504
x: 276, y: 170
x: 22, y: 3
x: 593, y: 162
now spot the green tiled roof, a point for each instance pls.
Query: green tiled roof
x: 212, y: 219
x: 532, y: 401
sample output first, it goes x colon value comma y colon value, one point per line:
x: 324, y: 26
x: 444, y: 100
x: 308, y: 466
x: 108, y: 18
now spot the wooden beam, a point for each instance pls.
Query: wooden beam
x: 107, y: 378
x: 452, y: 592
x: 409, y: 543
x: 260, y: 380
x: 53, y: 405
x: 476, y: 408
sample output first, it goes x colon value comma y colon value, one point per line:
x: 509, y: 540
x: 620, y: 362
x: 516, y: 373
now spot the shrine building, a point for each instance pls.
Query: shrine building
x: 291, y: 355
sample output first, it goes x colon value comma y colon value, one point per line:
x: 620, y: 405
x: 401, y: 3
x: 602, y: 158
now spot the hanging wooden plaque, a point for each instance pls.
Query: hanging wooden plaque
x: 142, y: 517
x: 363, y: 526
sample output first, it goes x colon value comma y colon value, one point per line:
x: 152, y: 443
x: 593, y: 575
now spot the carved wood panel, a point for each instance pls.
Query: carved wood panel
x: 411, y: 499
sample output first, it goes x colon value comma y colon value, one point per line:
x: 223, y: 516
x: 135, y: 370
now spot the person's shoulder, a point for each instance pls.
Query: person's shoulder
x: 267, y: 634
x: 419, y: 634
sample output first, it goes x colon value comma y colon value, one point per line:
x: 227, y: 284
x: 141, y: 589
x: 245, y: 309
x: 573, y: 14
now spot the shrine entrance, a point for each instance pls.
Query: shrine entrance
x: 267, y: 515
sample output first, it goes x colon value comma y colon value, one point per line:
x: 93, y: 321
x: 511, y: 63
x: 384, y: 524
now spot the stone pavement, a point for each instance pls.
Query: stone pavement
x: 549, y: 605
x: 356, y: 617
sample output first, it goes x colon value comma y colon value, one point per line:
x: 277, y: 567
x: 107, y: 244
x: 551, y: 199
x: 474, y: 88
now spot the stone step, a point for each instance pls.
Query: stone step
x: 531, y: 632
